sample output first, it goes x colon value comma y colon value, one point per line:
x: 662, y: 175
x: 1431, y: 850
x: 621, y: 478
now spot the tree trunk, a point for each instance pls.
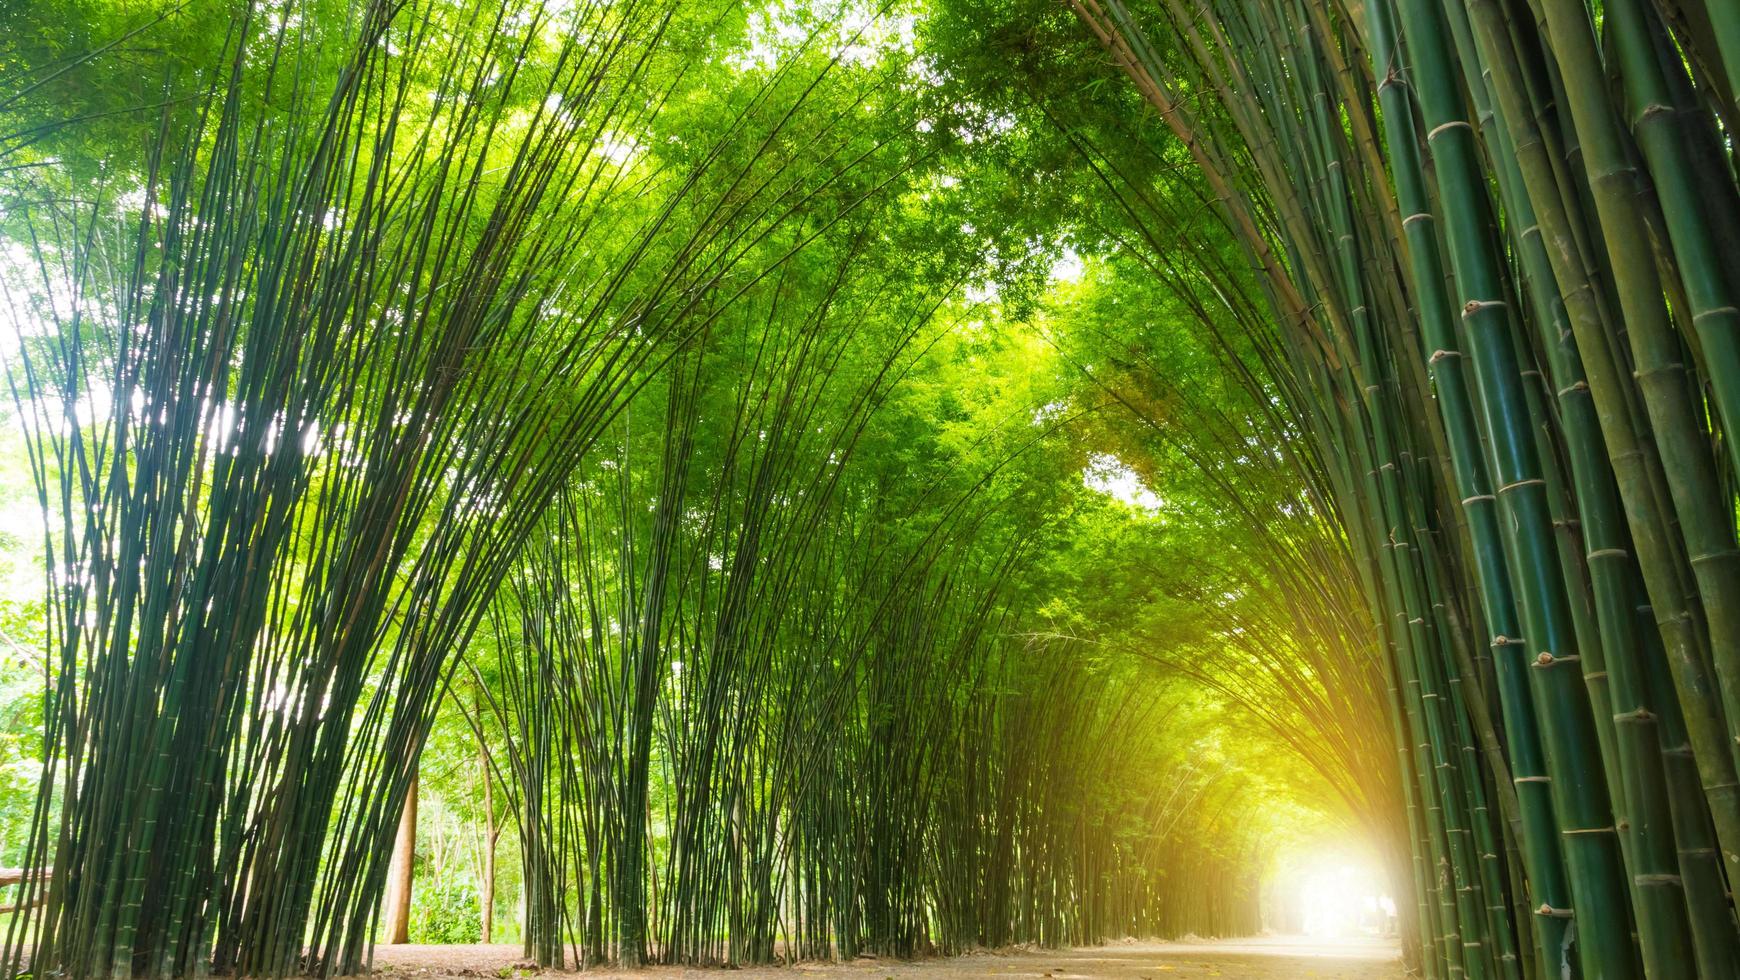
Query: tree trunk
x: 486, y: 894
x: 398, y: 911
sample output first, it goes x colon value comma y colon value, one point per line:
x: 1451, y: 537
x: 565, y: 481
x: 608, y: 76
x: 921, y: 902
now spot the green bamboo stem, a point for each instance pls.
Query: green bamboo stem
x: 1709, y: 536
x: 1546, y: 873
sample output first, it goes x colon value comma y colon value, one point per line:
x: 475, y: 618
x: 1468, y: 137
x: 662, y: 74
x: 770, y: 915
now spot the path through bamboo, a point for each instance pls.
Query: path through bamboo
x: 1256, y: 958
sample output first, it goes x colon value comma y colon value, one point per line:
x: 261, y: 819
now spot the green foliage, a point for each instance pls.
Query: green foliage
x: 446, y: 912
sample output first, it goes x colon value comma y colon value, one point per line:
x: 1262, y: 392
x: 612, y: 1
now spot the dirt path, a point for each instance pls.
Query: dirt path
x: 1259, y: 958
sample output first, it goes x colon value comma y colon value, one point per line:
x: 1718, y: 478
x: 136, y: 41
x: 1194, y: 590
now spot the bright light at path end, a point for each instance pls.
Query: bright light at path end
x: 1341, y: 901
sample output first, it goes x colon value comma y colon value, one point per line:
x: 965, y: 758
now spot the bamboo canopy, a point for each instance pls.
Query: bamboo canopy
x: 673, y: 417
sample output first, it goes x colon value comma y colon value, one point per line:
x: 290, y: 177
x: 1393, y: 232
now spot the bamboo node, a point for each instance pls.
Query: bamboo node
x: 1674, y: 367
x: 1651, y: 111
x: 1439, y: 355
x: 1545, y: 659
x: 1546, y: 909
x: 1452, y: 124
x: 1502, y: 640
x: 1477, y: 306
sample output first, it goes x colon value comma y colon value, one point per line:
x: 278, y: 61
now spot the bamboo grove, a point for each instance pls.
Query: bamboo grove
x: 659, y: 436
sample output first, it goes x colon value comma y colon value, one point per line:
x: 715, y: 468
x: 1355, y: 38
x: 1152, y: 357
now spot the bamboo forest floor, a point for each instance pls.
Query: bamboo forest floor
x: 1258, y: 958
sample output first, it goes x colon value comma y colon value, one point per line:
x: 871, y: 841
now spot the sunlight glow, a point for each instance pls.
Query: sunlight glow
x: 1342, y: 901
x: 1111, y: 476
x: 1068, y: 267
